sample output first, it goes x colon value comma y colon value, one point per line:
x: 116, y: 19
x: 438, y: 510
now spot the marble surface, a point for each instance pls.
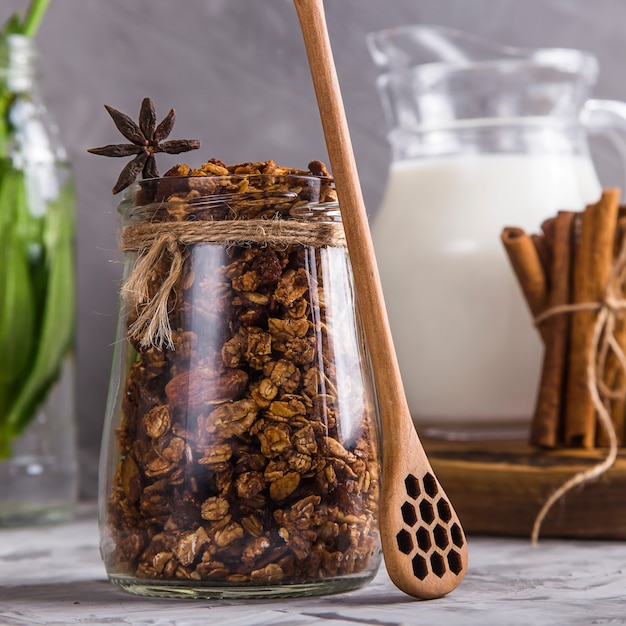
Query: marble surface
x: 54, y: 576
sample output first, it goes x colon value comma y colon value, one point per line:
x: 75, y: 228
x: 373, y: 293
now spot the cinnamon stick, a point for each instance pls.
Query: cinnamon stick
x: 528, y: 269
x: 548, y: 409
x: 544, y: 252
x: 618, y: 407
x: 591, y: 270
x: 544, y: 242
x: 614, y: 375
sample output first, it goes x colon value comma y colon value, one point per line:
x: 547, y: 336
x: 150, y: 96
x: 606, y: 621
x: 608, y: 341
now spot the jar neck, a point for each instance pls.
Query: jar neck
x: 305, y: 198
x: 19, y: 64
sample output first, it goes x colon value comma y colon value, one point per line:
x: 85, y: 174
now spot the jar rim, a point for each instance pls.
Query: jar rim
x: 219, y: 178
x: 297, y: 196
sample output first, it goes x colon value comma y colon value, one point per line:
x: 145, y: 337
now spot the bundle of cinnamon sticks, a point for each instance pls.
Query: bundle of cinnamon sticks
x: 570, y: 262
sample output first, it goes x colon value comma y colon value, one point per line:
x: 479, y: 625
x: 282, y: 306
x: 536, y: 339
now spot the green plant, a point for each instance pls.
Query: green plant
x: 26, y: 25
x: 36, y: 262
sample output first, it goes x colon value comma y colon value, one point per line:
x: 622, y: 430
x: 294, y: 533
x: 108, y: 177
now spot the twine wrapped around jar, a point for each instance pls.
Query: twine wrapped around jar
x: 153, y: 241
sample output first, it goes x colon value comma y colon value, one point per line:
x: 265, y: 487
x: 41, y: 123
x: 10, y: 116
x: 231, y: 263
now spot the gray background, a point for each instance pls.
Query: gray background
x: 236, y: 72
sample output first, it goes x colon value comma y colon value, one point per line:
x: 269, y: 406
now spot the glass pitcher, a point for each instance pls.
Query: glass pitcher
x: 482, y: 137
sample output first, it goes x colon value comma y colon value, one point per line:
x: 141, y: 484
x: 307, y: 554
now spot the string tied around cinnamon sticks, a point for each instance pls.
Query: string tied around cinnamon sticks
x: 603, y: 342
x: 613, y: 304
x: 166, y: 242
x: 573, y: 278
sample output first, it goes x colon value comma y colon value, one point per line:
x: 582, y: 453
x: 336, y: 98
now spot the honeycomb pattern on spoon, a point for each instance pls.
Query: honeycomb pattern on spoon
x: 428, y: 538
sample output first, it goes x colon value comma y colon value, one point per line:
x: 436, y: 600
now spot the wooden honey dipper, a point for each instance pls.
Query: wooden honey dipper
x: 423, y: 543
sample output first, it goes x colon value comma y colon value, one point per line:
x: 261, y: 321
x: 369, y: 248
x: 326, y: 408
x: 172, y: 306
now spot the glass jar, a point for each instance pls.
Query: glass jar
x: 240, y: 455
x: 38, y: 452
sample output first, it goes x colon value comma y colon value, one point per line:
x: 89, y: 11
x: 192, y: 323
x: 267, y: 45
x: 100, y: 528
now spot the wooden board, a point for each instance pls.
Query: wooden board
x: 498, y: 487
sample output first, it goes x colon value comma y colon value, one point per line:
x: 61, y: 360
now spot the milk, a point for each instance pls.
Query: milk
x: 463, y: 333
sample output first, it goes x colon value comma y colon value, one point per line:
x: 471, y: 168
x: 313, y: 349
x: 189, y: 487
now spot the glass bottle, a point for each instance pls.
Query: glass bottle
x: 240, y: 455
x: 38, y: 452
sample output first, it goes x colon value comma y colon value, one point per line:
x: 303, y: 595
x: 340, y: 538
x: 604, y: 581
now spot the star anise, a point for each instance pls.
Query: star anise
x: 146, y: 140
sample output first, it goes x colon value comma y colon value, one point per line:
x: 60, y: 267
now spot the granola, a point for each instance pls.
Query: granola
x: 248, y: 452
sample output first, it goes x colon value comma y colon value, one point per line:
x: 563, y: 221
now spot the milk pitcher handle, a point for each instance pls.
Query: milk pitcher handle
x: 608, y: 118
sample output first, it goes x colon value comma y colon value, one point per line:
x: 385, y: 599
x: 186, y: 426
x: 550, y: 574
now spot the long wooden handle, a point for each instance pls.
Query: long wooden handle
x: 393, y: 405
x: 421, y: 561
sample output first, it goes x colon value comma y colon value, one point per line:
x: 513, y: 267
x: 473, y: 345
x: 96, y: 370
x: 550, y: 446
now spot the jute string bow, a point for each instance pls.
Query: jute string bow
x: 603, y: 342
x: 156, y: 243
